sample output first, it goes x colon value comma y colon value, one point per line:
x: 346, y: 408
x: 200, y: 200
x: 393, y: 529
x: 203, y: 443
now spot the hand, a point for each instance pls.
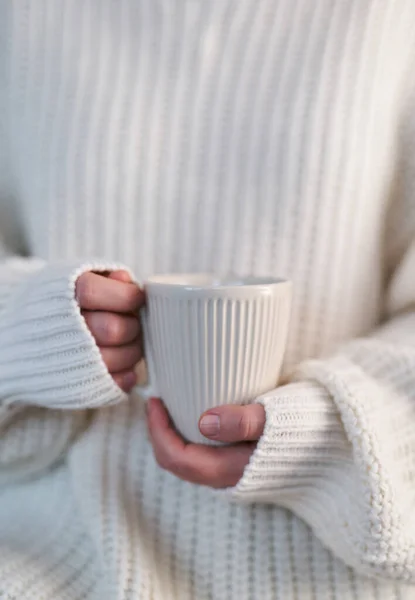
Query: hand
x: 109, y: 304
x: 217, y: 467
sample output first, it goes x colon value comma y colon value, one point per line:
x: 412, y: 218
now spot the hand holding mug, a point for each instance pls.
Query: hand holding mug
x: 219, y: 467
x: 109, y: 304
x: 212, y: 342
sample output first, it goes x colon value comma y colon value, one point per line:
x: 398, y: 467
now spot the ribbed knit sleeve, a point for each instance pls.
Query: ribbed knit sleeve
x: 339, y: 443
x: 49, y: 361
x: 48, y: 357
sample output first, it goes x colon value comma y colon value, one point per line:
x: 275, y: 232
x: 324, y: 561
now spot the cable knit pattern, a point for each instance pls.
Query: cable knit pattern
x: 266, y: 138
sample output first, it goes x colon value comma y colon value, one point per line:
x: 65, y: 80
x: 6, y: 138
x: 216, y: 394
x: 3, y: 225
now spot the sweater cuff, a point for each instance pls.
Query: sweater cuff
x: 48, y: 357
x: 303, y: 439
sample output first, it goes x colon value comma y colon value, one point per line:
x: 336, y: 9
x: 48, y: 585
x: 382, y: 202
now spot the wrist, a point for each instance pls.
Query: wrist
x: 303, y: 438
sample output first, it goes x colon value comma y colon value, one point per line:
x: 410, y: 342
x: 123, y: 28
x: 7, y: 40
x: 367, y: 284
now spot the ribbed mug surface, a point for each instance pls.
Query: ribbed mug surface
x: 211, y: 342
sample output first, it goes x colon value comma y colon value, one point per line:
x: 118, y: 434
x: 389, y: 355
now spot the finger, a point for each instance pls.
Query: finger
x: 123, y: 358
x: 111, y: 329
x: 95, y: 292
x: 120, y: 276
x: 126, y: 380
x: 231, y: 423
x: 219, y: 467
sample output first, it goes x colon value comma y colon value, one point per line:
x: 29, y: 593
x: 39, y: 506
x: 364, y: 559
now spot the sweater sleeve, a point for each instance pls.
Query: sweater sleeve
x: 338, y: 448
x: 48, y: 357
x: 49, y: 361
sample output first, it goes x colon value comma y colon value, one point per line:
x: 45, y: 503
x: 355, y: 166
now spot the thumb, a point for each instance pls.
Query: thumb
x: 232, y: 423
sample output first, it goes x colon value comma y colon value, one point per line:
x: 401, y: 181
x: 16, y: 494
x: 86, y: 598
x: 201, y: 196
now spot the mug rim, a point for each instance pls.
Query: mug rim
x: 214, y: 284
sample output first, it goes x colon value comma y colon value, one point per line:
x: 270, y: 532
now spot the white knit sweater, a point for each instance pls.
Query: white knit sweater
x: 268, y: 137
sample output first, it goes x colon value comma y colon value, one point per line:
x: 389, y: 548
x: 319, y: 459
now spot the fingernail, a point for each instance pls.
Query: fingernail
x: 130, y: 379
x: 209, y: 425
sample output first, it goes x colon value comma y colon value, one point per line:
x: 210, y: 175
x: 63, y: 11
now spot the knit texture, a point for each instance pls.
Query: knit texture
x: 266, y: 138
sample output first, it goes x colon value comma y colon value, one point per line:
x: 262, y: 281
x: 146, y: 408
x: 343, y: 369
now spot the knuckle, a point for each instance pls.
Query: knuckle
x: 166, y: 462
x: 107, y: 357
x: 215, y: 476
x: 195, y: 474
x: 172, y: 464
x: 206, y: 476
x: 245, y: 427
x: 199, y: 471
x: 219, y: 475
x: 133, y: 295
x: 85, y: 289
x: 113, y: 329
x: 132, y: 356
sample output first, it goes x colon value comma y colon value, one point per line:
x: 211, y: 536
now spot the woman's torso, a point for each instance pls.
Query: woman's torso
x: 251, y: 137
x: 220, y: 136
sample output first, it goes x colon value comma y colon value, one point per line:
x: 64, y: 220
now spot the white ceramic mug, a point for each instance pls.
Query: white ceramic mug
x: 212, y: 341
